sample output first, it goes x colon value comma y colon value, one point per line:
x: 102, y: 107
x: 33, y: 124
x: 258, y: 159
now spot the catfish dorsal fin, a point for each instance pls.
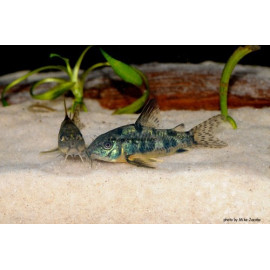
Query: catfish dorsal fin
x: 66, y: 115
x: 65, y: 107
x: 150, y: 115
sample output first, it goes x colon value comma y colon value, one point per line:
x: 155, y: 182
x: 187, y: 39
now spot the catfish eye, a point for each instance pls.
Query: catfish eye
x: 107, y: 145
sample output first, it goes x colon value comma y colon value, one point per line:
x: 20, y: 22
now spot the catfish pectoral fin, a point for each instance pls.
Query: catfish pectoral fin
x: 141, y: 161
x: 50, y: 151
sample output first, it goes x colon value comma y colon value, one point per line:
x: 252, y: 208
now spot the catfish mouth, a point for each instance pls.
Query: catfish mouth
x: 73, y: 151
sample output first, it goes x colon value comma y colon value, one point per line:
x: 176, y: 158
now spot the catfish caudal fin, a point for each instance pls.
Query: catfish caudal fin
x: 204, y: 133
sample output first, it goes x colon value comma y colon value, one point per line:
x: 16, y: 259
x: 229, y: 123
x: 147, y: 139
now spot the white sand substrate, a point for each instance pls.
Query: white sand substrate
x: 228, y: 185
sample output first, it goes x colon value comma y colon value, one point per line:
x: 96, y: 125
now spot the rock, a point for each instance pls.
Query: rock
x: 175, y: 86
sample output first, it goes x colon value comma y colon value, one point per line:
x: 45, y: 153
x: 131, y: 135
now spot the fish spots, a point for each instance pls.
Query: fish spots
x: 150, y: 145
x: 171, y: 132
x: 129, y: 147
x: 147, y: 146
x: 142, y: 147
x: 119, y: 131
x: 139, y: 128
x: 204, y: 133
x: 173, y: 142
x: 168, y: 143
x: 181, y: 150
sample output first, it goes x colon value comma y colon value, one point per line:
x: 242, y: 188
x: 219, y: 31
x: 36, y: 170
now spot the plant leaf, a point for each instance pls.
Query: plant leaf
x: 145, y: 80
x: 24, y: 77
x: 83, y: 76
x: 124, y: 71
x: 69, y: 70
x: 54, y: 92
x: 80, y: 103
x: 231, y: 121
x: 138, y: 104
x: 78, y: 64
x: 237, y: 55
x: 135, y: 106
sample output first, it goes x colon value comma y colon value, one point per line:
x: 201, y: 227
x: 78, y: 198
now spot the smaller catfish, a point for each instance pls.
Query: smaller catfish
x: 141, y: 143
x: 70, y: 139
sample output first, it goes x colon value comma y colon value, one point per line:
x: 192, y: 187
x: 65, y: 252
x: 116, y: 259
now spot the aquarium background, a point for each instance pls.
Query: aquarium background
x: 15, y: 58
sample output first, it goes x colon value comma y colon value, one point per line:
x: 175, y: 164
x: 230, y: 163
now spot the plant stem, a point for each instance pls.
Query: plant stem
x: 238, y: 54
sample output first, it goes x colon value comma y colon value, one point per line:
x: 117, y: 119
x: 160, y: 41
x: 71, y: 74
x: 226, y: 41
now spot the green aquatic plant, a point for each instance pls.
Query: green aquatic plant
x: 237, y: 55
x: 131, y: 75
x: 75, y: 82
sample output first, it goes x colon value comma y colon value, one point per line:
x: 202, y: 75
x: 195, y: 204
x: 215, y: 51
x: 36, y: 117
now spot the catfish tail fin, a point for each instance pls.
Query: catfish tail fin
x: 204, y: 133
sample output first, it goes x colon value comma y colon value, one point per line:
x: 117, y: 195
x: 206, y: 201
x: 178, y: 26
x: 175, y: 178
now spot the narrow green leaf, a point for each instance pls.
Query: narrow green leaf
x: 85, y: 73
x: 135, y: 106
x: 237, y: 55
x: 124, y: 71
x: 46, y: 80
x: 145, y: 80
x: 24, y: 77
x: 69, y: 70
x: 78, y: 64
x: 54, y: 92
x: 232, y: 122
x: 4, y: 102
x: 138, y: 104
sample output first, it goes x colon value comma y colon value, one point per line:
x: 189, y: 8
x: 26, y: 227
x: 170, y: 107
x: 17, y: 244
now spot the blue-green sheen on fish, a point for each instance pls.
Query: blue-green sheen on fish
x: 141, y: 143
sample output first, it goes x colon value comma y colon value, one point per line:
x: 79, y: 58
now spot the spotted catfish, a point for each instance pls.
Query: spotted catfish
x: 141, y: 143
x: 70, y: 139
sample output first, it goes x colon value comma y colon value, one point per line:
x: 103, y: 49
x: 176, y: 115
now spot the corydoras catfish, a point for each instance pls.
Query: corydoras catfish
x: 141, y: 143
x: 70, y: 139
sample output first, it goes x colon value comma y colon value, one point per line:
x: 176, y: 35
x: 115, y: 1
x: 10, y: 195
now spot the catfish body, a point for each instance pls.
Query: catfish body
x: 141, y: 143
x: 70, y: 138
